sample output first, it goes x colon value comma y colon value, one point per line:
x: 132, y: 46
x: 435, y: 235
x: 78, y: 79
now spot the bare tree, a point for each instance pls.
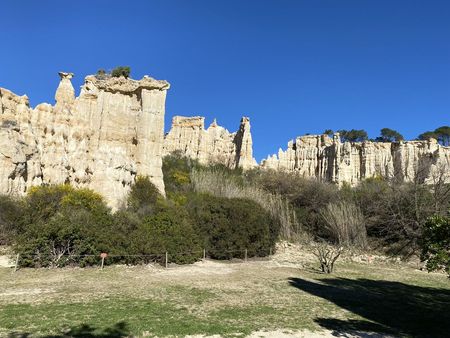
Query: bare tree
x: 327, y: 256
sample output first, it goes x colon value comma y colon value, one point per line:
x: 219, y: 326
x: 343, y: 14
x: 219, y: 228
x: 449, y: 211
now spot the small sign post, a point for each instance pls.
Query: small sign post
x: 103, y: 255
x: 17, y: 262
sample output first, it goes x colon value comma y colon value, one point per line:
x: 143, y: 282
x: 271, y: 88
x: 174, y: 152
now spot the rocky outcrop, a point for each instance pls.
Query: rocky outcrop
x: 215, y: 144
x: 102, y: 139
x: 330, y: 160
x: 114, y: 131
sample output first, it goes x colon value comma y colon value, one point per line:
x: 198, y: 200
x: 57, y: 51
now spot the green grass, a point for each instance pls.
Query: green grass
x: 225, y: 299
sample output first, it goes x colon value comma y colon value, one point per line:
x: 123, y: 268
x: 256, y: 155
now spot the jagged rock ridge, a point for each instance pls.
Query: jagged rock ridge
x: 212, y: 145
x: 330, y: 160
x: 114, y: 131
x: 102, y: 139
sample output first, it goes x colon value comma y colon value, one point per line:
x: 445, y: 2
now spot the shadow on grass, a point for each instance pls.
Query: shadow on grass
x: 119, y: 330
x: 389, y: 307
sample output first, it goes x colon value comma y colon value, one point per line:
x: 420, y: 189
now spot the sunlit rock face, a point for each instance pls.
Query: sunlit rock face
x: 215, y: 144
x: 330, y: 160
x: 114, y: 131
x: 102, y: 139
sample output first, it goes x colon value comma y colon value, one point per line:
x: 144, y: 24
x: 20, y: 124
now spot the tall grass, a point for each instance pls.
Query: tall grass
x: 222, y: 184
x: 345, y: 223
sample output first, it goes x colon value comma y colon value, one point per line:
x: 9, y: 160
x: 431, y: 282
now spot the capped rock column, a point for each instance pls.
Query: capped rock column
x: 150, y: 135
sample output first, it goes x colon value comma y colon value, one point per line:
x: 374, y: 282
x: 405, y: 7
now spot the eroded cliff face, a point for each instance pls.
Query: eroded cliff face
x: 101, y: 140
x: 114, y: 131
x: 212, y: 145
x: 330, y: 160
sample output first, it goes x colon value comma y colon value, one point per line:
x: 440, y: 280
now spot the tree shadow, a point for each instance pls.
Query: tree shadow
x: 389, y: 307
x: 118, y: 330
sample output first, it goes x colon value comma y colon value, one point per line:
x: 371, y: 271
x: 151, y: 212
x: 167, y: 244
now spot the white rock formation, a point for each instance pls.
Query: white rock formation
x: 213, y: 145
x: 114, y: 131
x: 330, y: 160
x: 102, y: 140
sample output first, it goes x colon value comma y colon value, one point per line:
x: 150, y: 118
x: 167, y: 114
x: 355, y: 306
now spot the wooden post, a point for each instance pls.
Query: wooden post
x: 204, y: 254
x: 17, y: 263
x: 245, y: 256
x: 103, y: 255
x: 270, y: 252
x: 167, y: 259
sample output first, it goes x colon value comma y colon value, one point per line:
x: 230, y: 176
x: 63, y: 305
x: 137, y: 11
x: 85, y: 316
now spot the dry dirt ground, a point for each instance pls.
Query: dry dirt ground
x: 284, y: 296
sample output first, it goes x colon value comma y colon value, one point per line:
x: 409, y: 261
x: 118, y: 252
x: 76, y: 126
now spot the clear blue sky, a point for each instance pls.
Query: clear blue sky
x: 294, y: 67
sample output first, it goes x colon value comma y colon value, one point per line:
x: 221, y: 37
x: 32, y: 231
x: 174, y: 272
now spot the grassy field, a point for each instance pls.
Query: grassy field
x: 230, y: 299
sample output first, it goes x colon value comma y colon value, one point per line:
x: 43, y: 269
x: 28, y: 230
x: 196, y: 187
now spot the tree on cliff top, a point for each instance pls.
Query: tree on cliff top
x: 441, y: 134
x: 121, y: 71
x: 328, y: 132
x: 389, y: 135
x: 353, y: 135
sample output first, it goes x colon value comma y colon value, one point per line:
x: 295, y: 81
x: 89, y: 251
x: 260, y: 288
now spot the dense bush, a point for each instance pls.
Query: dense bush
x: 61, y: 225
x: 10, y: 210
x: 177, y: 171
x: 169, y: 231
x: 220, y: 182
x: 143, y: 197
x: 436, y: 243
x: 394, y: 212
x: 224, y: 211
x: 229, y: 226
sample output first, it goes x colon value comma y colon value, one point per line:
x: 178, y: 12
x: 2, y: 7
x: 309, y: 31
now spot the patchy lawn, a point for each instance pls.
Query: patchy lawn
x: 229, y: 299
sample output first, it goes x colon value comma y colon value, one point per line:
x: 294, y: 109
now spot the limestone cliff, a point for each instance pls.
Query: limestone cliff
x: 102, y: 139
x: 329, y: 159
x: 212, y: 145
x: 114, y: 131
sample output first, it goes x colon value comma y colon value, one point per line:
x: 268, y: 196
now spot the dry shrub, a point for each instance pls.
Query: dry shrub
x: 345, y: 223
x: 221, y: 184
x: 327, y: 256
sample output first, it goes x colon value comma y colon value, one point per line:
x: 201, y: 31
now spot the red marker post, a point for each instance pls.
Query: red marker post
x: 103, y: 255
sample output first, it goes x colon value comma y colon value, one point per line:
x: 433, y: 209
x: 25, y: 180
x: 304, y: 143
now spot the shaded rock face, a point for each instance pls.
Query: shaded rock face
x: 101, y: 140
x: 215, y: 144
x: 330, y: 160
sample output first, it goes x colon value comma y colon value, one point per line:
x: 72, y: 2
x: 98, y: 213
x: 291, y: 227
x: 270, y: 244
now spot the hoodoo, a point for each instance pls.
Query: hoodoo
x: 212, y: 145
x: 102, y: 139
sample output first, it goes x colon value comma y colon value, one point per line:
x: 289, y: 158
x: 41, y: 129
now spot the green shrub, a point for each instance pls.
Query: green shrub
x: 436, y: 243
x: 10, y: 211
x: 176, y: 171
x: 62, y: 225
x: 229, y: 226
x: 143, y: 196
x: 169, y: 231
x: 121, y: 71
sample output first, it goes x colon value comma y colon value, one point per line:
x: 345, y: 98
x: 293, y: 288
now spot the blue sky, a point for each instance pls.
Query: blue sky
x: 293, y: 67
